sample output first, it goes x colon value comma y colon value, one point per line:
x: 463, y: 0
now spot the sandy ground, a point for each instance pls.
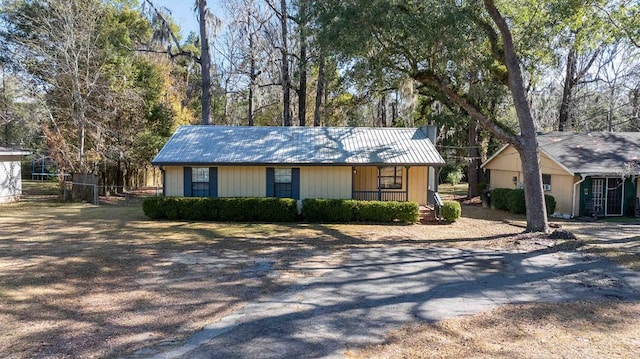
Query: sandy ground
x: 84, y: 281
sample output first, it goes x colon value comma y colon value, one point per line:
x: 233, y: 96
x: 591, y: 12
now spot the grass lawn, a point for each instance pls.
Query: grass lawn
x: 81, y: 281
x: 447, y: 191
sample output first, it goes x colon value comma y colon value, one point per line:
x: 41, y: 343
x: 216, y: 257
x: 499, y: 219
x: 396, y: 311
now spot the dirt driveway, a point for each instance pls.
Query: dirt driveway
x: 81, y: 281
x: 377, y: 290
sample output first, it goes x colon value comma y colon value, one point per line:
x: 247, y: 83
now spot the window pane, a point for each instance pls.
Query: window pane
x: 546, y: 179
x: 199, y: 174
x: 200, y: 182
x: 390, y: 178
x: 282, y: 175
x: 283, y: 190
x: 387, y: 171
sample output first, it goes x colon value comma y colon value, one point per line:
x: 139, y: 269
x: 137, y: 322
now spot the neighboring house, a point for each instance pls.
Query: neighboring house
x: 10, y: 174
x: 386, y: 164
x: 589, y: 174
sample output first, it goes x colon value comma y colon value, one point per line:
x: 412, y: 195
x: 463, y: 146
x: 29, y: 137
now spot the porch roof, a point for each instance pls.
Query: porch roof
x: 4, y: 151
x: 595, y: 153
x: 244, y: 145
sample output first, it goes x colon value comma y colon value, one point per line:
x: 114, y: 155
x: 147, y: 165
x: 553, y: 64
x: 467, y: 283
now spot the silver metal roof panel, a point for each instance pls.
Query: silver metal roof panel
x: 244, y: 145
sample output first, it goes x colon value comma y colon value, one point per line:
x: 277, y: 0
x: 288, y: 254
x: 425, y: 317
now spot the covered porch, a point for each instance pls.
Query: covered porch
x: 394, y: 183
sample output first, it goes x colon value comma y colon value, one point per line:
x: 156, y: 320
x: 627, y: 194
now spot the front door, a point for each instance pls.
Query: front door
x: 597, y: 196
x: 615, y: 191
x: 607, y: 196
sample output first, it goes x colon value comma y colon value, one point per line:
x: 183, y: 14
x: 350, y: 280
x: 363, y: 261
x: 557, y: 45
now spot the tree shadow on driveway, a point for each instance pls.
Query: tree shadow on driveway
x: 380, y: 289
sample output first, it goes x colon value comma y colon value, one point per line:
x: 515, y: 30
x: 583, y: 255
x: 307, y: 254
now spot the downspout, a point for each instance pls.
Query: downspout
x: 163, y: 182
x: 573, y: 203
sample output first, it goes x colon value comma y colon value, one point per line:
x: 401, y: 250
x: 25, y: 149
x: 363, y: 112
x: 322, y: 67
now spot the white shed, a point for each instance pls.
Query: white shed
x: 10, y: 174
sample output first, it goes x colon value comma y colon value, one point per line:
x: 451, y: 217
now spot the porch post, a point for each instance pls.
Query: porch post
x: 406, y: 191
x: 379, y: 187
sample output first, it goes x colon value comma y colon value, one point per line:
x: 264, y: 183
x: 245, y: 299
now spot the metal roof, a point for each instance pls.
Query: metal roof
x: 4, y: 151
x: 243, y: 145
x: 592, y: 153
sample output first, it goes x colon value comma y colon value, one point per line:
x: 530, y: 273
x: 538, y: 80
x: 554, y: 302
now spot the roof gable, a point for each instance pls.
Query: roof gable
x: 196, y: 145
x: 604, y: 153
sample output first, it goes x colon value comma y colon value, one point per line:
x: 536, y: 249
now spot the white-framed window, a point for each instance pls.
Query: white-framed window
x: 546, y: 182
x: 200, y: 182
x: 390, y: 177
x: 282, y: 183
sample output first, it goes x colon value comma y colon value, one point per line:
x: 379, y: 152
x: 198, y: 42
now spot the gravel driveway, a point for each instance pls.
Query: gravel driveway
x: 376, y: 290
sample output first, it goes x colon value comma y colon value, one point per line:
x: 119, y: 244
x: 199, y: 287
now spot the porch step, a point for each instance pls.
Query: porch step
x: 427, y: 215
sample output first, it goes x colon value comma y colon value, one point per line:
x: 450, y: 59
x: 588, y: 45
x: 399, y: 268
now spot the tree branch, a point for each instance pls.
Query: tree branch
x: 181, y: 52
x: 431, y: 80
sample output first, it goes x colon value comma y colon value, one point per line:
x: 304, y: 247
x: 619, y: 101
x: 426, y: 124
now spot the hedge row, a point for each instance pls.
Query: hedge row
x: 347, y: 210
x: 278, y: 210
x: 512, y: 200
x: 245, y: 209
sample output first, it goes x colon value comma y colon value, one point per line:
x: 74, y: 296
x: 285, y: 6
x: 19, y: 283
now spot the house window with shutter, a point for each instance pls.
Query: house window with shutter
x: 200, y: 182
x: 390, y: 177
x: 283, y: 183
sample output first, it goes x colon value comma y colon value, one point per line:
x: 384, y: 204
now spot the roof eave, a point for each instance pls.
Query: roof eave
x: 305, y: 164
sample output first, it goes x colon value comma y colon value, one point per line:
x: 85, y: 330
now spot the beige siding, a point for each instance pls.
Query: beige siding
x: 315, y: 181
x: 325, y: 182
x: 508, y: 160
x: 418, y: 184
x: 174, y: 181
x: 366, y: 178
x: 508, y: 165
x: 242, y: 181
x: 562, y: 191
x: 504, y: 179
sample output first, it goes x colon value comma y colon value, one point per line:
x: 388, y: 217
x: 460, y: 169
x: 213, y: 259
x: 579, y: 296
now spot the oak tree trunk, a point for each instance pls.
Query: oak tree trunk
x: 527, y: 144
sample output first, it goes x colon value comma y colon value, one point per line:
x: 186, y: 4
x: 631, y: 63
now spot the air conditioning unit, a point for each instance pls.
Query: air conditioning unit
x: 546, y: 187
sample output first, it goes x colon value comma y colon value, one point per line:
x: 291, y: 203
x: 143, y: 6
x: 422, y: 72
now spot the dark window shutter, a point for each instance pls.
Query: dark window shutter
x: 187, y: 181
x: 213, y: 182
x: 295, y: 183
x: 271, y: 179
x: 164, y: 183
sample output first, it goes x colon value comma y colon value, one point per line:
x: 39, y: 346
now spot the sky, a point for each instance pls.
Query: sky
x: 182, y: 12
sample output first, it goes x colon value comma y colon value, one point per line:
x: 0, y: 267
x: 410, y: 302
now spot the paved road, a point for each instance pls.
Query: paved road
x: 380, y: 289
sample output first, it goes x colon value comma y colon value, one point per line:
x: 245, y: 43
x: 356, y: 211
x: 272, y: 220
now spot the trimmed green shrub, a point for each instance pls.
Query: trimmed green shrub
x: 516, y: 201
x: 328, y: 210
x: 387, y: 212
x: 550, y: 204
x: 346, y: 210
x: 499, y: 198
x: 451, y: 211
x: 171, y: 208
x: 221, y: 209
x: 152, y: 207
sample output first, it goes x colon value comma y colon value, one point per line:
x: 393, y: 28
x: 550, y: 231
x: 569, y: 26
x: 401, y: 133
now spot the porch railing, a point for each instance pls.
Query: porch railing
x: 380, y: 196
